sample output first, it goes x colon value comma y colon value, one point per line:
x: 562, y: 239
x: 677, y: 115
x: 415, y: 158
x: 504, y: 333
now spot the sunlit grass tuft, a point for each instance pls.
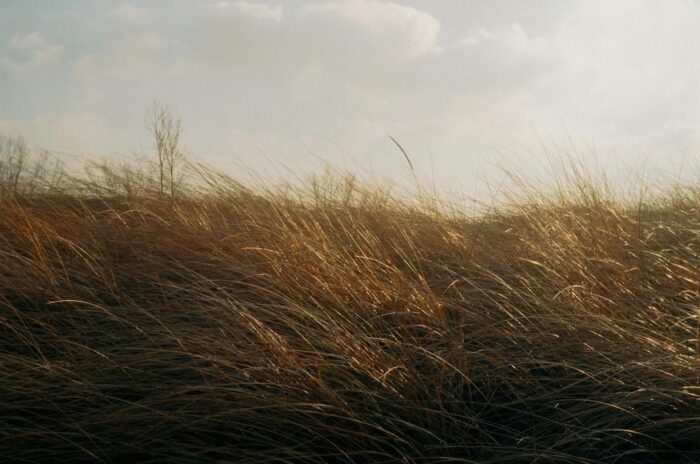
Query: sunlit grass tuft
x: 341, y: 324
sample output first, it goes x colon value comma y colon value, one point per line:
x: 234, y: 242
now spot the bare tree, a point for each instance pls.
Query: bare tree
x: 47, y: 171
x: 25, y: 170
x: 166, y: 130
x: 14, y: 155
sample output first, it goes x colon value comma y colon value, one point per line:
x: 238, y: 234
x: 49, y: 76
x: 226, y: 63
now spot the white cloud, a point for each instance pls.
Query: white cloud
x: 130, y: 15
x: 28, y: 51
x: 627, y: 71
x: 255, y: 10
x: 72, y: 134
x: 242, y: 8
x: 511, y: 40
x: 129, y: 57
x: 9, y: 126
x: 75, y: 131
x: 337, y: 35
x: 401, y: 29
x: 454, y: 81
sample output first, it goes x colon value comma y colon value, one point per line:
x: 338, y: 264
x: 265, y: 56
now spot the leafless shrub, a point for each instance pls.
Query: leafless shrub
x: 166, y: 130
x: 24, y: 170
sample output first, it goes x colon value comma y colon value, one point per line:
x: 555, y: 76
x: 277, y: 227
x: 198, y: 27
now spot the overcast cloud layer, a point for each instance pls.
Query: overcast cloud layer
x: 459, y: 82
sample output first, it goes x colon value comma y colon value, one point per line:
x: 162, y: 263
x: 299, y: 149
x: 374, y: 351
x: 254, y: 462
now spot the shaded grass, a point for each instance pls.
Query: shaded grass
x: 346, y: 326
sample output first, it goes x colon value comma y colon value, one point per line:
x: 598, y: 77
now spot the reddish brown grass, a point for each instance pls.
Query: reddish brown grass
x: 228, y: 325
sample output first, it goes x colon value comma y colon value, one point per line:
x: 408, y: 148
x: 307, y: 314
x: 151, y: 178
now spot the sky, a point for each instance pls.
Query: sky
x: 467, y: 87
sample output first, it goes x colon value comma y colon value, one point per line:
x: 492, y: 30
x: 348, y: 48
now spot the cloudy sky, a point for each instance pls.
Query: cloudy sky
x: 462, y: 84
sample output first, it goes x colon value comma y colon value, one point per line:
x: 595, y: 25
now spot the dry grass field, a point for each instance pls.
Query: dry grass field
x: 341, y: 324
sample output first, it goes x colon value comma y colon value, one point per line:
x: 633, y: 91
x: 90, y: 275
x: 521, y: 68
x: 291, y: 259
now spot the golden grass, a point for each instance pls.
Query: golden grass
x: 346, y: 326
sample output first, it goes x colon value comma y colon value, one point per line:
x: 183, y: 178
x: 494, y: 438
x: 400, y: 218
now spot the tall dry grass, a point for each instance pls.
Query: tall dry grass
x: 233, y: 325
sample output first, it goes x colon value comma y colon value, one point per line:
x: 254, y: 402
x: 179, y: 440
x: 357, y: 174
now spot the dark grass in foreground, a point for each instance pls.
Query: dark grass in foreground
x: 224, y: 325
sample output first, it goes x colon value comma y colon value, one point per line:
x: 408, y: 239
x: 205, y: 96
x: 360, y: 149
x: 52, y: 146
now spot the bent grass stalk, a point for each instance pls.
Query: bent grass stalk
x: 234, y: 324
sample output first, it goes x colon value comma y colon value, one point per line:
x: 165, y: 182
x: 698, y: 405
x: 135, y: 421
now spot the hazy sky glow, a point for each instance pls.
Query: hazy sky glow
x: 459, y: 82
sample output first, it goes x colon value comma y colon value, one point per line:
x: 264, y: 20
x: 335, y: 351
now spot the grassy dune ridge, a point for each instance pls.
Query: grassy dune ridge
x: 233, y: 325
